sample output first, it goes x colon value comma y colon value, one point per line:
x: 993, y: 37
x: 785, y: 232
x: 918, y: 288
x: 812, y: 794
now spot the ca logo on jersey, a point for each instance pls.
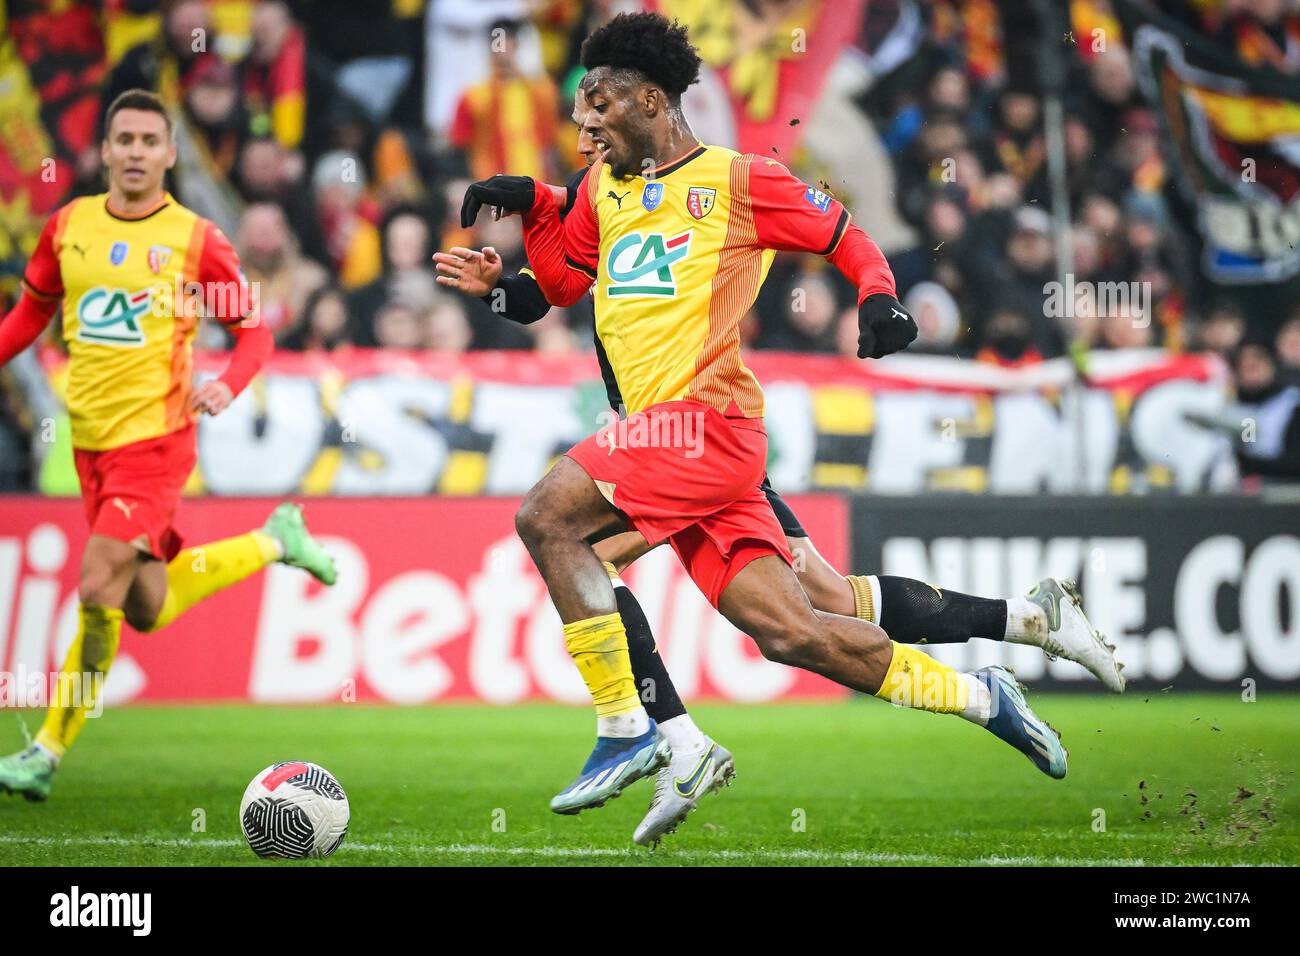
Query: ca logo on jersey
x: 643, y: 265
x: 112, y: 316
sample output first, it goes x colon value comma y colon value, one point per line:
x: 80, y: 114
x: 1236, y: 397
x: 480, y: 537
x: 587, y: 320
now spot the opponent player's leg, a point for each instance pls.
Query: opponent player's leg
x: 1051, y: 617
x: 764, y: 599
x: 160, y: 596
x: 914, y: 612
x: 558, y: 517
x: 699, y: 765
x: 108, y: 567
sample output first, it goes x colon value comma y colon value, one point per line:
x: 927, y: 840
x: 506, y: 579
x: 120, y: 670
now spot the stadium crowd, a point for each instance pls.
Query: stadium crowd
x: 332, y: 140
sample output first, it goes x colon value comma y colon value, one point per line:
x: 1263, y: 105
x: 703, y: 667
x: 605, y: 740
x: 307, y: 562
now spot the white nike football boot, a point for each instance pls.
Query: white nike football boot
x: 681, y: 785
x: 1071, y: 635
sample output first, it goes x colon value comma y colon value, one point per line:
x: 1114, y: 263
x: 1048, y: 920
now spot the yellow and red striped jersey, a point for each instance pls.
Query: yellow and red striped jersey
x: 678, y: 256
x: 131, y: 291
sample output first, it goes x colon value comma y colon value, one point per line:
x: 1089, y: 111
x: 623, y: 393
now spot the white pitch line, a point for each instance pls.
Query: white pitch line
x: 860, y: 857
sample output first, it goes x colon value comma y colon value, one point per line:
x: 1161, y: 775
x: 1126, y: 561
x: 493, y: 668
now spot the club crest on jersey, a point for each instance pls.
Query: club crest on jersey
x: 699, y: 201
x: 112, y: 316
x: 117, y: 253
x: 652, y: 196
x: 643, y: 265
x: 159, y: 256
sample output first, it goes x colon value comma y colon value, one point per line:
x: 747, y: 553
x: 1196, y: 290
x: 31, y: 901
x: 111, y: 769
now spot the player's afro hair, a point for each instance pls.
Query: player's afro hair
x: 648, y: 43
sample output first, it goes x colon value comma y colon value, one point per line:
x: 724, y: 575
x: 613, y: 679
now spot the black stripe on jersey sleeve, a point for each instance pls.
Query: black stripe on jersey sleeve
x: 585, y: 270
x: 39, y: 293
x: 838, y: 234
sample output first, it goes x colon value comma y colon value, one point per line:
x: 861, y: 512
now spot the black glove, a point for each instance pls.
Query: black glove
x: 884, y: 326
x: 511, y: 193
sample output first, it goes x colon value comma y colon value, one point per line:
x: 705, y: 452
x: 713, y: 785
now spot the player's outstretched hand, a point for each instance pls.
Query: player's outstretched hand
x: 884, y: 326
x: 509, y: 193
x: 211, y: 397
x: 474, y: 273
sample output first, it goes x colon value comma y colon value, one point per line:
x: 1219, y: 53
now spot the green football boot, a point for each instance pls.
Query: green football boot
x: 298, y: 548
x: 29, y: 772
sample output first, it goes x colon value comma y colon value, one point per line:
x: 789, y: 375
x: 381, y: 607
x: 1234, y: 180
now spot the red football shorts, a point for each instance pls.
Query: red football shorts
x: 686, y: 473
x: 131, y: 492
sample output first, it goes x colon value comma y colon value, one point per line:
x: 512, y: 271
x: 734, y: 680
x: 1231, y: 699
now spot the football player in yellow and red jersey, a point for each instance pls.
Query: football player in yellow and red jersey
x: 134, y: 270
x: 677, y: 238
x: 909, y: 610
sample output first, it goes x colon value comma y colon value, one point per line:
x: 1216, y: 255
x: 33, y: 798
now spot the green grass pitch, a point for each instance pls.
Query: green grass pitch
x: 855, y: 782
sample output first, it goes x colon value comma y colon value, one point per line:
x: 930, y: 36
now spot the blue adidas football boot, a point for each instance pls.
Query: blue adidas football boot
x: 614, y: 763
x: 1011, y: 720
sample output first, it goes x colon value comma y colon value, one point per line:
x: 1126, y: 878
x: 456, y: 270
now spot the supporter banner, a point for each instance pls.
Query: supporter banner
x: 1196, y: 592
x: 380, y: 423
x: 436, y: 600
x: 1231, y: 131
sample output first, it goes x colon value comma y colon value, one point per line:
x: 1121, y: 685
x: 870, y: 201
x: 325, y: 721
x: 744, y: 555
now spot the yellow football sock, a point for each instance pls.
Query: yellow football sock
x: 200, y: 572
x: 598, y: 646
x: 864, y: 605
x: 919, y: 681
x: 81, y: 677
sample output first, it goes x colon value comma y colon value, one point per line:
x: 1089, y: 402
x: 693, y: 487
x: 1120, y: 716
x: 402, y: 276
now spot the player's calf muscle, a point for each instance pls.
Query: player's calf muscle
x: 765, y: 602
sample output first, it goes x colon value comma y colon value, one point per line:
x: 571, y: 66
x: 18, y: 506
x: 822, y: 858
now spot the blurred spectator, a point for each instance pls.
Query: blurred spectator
x: 938, y: 321
x: 1270, y: 443
x: 325, y: 324
x: 347, y: 218
x: 809, y: 321
x: 209, y: 131
x: 1223, y: 329
x: 1113, y: 89
x: 508, y: 122
x: 402, y: 327
x: 164, y: 62
x: 1125, y: 327
x: 275, y: 81
x: 448, y: 326
x: 928, y: 161
x: 1016, y: 145
x: 1007, y: 340
x: 1137, y: 151
x: 1030, y: 266
x: 268, y: 173
x: 369, y: 52
x: 407, y: 246
x: 281, y: 278
x: 1288, y: 349
x: 552, y: 335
